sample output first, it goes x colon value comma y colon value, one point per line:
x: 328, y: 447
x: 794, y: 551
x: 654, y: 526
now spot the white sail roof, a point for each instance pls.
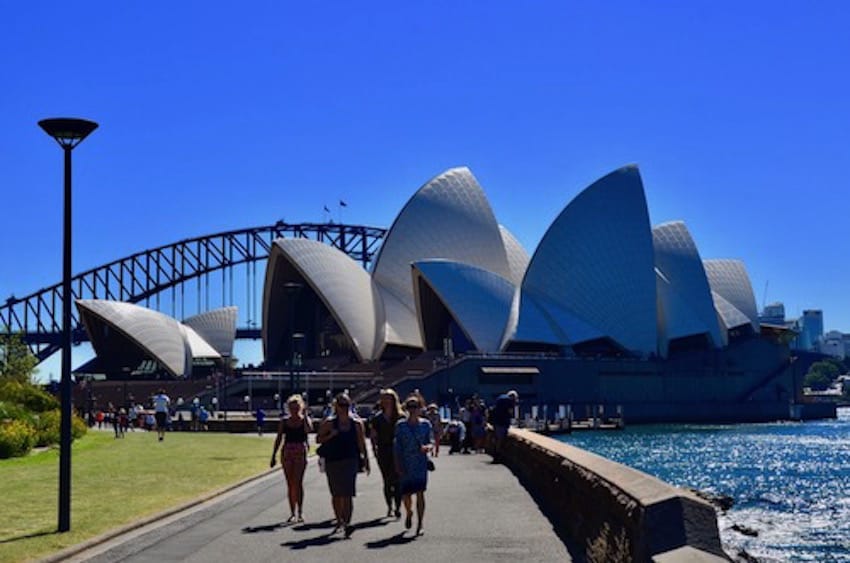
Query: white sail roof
x: 594, y: 266
x: 216, y: 327
x: 518, y: 257
x: 684, y: 296
x: 342, y: 284
x: 478, y: 300
x: 448, y: 218
x: 729, y: 279
x: 198, y: 347
x: 159, y: 335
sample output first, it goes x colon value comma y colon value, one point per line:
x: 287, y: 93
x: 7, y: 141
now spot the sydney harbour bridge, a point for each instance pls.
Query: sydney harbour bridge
x: 205, y: 272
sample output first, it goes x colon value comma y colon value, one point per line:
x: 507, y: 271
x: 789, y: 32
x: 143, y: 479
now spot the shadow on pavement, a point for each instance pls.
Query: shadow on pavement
x: 314, y: 526
x: 371, y: 523
x: 266, y: 528
x: 318, y: 541
x: 398, y: 539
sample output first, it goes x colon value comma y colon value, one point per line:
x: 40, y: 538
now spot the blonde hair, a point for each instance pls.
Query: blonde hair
x: 296, y: 398
x: 397, y: 412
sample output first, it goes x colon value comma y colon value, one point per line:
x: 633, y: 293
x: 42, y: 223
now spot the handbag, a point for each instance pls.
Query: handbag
x: 331, y: 450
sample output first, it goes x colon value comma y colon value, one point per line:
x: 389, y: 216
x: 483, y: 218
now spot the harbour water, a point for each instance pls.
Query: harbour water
x: 790, y: 480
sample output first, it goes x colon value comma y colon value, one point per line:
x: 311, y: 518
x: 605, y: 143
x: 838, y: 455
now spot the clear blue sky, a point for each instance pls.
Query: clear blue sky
x: 216, y: 116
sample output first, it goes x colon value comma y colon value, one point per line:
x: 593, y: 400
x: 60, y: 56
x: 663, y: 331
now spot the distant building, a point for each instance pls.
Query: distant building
x: 810, y: 330
x: 773, y: 314
x: 833, y: 344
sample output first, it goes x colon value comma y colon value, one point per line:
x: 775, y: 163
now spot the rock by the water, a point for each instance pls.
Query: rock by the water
x: 747, y: 531
x: 723, y: 502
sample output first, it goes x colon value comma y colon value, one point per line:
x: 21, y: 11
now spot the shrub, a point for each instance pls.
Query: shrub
x: 78, y: 427
x: 30, y: 396
x: 11, y: 411
x: 47, y: 428
x: 16, y: 438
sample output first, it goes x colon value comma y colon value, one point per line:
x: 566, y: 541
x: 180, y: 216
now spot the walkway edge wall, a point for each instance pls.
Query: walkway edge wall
x: 617, y: 513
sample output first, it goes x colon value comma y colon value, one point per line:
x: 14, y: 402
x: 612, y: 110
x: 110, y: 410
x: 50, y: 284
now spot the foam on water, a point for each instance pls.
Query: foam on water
x: 790, y: 481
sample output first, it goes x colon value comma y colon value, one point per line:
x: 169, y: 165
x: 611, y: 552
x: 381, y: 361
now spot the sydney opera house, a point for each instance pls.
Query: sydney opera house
x: 131, y: 340
x: 607, y: 310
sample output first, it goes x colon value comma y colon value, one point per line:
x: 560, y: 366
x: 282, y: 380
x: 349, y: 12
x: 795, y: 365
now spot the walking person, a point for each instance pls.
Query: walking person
x: 344, y: 449
x: 261, y: 420
x: 161, y: 403
x: 382, y: 435
x: 503, y: 412
x: 413, y: 438
x: 293, y: 429
x: 436, y: 421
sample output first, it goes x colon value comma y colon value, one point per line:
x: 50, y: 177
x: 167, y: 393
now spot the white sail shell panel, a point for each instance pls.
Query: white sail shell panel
x: 159, y: 335
x: 479, y: 301
x: 685, y: 302
x: 198, y: 347
x: 535, y: 325
x: 731, y: 316
x: 217, y: 327
x: 730, y: 280
x: 400, y: 327
x: 518, y: 257
x: 595, y: 264
x: 448, y: 218
x: 344, y: 287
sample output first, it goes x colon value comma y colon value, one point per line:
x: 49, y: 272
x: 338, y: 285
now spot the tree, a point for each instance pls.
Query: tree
x: 16, y: 361
x: 821, y: 375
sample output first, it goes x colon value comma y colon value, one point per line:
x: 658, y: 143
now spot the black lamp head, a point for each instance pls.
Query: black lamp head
x: 68, y: 132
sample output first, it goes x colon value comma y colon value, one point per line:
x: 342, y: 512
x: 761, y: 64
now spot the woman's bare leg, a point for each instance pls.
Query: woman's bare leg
x: 289, y: 472
x: 298, y: 486
x: 420, y: 511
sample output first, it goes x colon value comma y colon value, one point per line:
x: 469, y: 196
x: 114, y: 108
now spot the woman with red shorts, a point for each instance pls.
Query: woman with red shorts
x: 293, y: 430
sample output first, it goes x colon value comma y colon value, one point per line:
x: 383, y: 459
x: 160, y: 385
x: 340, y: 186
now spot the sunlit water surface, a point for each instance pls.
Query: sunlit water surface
x: 790, y: 480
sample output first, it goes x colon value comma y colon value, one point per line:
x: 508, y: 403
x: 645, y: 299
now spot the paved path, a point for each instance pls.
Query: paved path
x: 476, y: 511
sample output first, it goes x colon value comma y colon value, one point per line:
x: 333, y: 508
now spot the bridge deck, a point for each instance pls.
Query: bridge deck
x: 476, y: 511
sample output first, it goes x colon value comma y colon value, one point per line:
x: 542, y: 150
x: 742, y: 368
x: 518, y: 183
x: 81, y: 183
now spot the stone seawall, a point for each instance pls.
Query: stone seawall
x: 617, y: 513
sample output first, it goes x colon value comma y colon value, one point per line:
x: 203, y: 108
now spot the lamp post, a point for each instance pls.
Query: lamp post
x: 292, y: 290
x: 68, y: 133
x: 295, y: 366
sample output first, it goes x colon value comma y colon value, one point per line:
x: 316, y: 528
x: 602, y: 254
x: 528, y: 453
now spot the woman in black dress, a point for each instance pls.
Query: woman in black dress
x: 382, y: 434
x: 344, y: 449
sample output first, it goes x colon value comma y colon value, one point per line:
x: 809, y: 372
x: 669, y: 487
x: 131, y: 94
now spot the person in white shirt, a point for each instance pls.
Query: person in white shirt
x: 161, y: 403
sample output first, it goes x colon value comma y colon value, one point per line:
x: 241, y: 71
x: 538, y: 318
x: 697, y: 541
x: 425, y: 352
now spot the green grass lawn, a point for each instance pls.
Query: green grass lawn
x: 114, y: 482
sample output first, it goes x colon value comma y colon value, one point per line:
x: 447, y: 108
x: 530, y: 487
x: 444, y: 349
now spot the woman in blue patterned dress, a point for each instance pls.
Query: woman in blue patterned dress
x: 413, y: 437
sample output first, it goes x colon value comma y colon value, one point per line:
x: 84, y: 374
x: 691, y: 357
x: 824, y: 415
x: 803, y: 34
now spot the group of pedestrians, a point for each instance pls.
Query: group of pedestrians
x: 401, y: 437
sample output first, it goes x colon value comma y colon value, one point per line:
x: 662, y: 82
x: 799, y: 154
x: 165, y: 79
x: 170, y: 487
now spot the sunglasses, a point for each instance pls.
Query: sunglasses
x: 412, y: 406
x: 343, y: 404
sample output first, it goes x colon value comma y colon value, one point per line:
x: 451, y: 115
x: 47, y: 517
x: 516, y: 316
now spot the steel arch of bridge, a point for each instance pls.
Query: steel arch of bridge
x: 38, y: 317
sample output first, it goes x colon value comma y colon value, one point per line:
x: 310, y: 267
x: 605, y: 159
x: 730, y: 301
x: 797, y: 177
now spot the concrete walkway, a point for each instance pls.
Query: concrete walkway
x: 476, y: 511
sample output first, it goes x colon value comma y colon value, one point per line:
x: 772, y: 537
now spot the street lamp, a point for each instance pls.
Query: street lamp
x: 295, y: 366
x: 68, y: 133
x: 292, y: 290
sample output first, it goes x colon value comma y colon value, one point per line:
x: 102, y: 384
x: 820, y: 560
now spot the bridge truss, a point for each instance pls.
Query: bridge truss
x: 148, y: 274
